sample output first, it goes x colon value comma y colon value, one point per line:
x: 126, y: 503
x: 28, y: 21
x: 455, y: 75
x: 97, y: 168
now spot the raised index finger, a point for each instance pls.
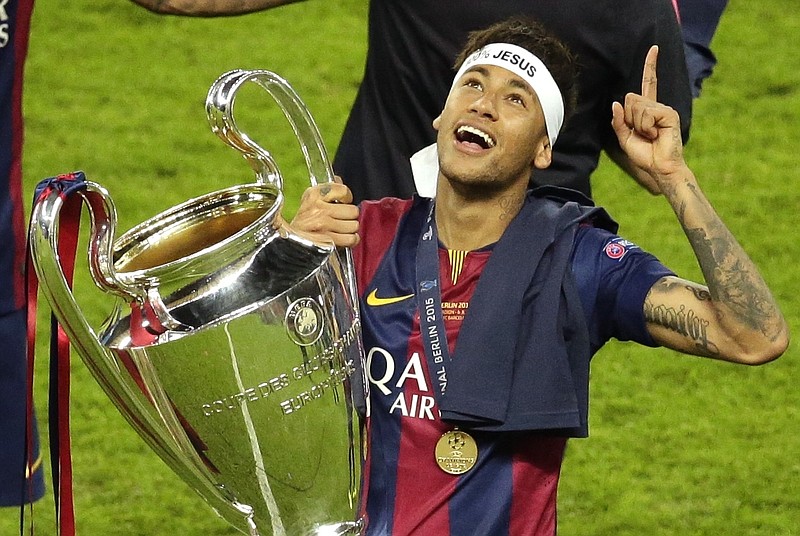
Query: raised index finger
x: 649, y: 77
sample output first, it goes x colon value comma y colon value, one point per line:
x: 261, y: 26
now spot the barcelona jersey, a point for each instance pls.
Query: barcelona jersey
x: 511, y: 489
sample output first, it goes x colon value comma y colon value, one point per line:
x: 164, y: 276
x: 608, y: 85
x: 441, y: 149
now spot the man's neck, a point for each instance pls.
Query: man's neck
x: 470, y: 225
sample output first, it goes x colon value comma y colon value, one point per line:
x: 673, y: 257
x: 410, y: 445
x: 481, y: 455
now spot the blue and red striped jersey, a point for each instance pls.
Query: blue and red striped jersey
x: 511, y: 490
x: 15, y: 486
x: 15, y: 18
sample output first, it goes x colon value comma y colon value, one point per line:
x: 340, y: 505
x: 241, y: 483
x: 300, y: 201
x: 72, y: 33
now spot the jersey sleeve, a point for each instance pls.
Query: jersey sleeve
x: 613, y: 276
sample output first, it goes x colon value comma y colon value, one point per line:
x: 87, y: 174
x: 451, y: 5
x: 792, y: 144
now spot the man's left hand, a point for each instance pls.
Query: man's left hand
x: 649, y: 132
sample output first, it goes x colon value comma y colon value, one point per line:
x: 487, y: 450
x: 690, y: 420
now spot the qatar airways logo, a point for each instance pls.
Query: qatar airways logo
x: 391, y: 383
x: 5, y: 31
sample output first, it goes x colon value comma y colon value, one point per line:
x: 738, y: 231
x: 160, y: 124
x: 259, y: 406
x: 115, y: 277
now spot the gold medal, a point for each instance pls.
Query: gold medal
x: 456, y: 452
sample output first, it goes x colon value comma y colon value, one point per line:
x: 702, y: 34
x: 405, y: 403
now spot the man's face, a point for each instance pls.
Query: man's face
x: 491, y: 131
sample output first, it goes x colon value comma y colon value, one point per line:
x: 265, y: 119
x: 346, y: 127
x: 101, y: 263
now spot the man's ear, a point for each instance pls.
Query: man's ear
x: 436, y: 122
x: 543, y: 156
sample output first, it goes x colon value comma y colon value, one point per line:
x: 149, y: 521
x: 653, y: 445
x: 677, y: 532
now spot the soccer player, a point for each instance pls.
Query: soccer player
x: 18, y: 484
x: 483, y: 304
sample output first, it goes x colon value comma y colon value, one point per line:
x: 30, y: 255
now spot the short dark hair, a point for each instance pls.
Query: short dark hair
x: 538, y: 40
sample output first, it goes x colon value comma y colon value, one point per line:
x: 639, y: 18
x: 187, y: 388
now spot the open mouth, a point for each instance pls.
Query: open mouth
x: 468, y: 134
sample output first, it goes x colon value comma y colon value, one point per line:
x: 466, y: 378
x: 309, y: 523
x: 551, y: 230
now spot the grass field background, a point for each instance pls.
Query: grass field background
x: 678, y: 446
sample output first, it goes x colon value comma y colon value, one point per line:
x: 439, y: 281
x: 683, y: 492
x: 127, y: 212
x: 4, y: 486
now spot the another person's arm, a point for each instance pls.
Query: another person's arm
x: 209, y: 8
x: 734, y: 316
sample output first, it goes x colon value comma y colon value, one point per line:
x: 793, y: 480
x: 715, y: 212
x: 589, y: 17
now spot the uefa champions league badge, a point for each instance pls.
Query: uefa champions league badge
x: 618, y: 247
x: 304, y: 321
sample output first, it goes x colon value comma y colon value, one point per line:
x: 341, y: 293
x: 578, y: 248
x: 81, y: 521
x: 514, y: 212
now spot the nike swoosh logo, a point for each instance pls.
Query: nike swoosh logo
x: 374, y: 301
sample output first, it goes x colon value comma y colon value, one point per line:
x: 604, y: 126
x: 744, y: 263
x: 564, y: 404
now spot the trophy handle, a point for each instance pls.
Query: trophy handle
x: 44, y: 236
x: 108, y: 371
x: 219, y: 109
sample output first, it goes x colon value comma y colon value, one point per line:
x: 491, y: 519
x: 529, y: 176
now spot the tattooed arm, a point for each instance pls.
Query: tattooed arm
x: 209, y: 8
x: 733, y: 318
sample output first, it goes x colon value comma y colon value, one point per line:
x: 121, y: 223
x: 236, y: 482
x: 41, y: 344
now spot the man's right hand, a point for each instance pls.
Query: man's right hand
x: 327, y: 214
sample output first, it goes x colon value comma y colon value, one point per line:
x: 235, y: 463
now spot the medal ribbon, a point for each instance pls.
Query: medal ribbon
x: 429, y: 302
x: 456, y: 451
x: 60, y: 455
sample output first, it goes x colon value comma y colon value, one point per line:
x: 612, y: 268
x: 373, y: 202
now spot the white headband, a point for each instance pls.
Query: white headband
x: 425, y: 163
x: 531, y: 69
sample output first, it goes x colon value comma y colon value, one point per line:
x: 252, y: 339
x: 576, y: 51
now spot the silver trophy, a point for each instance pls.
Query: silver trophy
x: 234, y: 346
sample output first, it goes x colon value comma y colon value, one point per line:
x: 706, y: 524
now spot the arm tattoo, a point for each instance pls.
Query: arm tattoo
x: 731, y: 276
x: 699, y: 293
x: 684, y: 322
